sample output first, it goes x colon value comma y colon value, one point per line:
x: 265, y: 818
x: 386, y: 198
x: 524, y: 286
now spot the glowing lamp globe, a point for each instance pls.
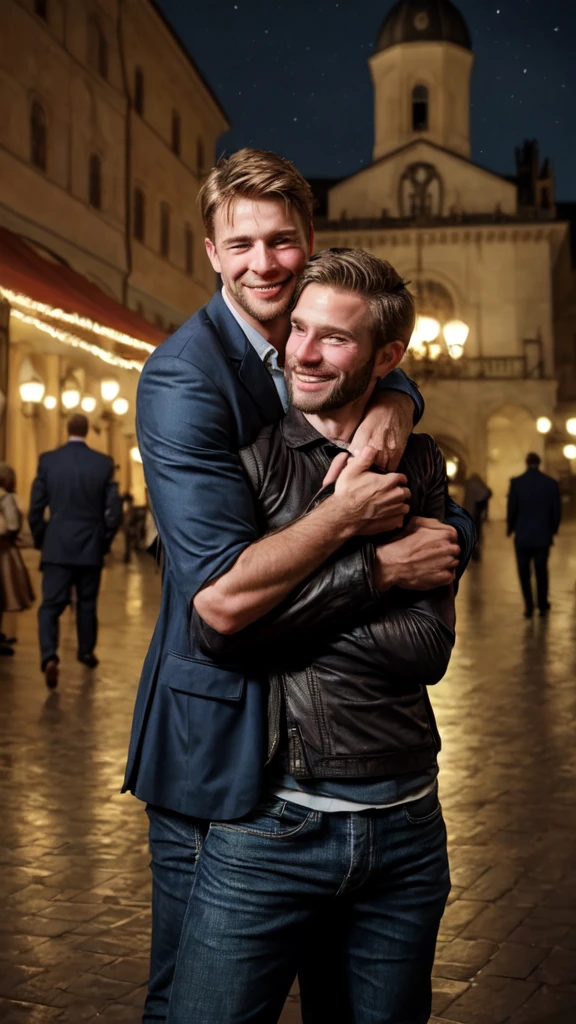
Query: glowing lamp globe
x: 120, y: 406
x: 109, y: 389
x: 70, y: 396
x: 456, y: 333
x: 50, y: 402
x: 543, y: 425
x: 32, y: 391
x: 434, y: 350
x: 569, y: 451
x: 428, y: 328
x: 135, y: 454
x: 571, y: 426
x: 88, y: 403
x: 451, y: 469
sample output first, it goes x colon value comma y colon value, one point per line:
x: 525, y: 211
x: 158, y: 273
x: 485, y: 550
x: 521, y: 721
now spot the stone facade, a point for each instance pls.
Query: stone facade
x: 476, y: 247
x: 107, y: 131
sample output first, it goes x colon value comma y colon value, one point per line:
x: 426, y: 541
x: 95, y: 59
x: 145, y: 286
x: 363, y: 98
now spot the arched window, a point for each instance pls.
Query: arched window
x: 199, y: 156
x: 176, y: 132
x: 97, y: 47
x: 164, y: 230
x: 139, y: 91
x: 41, y: 8
x: 420, y: 108
x: 189, y: 249
x: 139, y: 214
x: 95, y: 182
x: 38, y: 135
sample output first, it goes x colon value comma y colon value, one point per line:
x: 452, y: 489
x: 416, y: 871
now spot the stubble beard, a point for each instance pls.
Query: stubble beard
x: 346, y: 389
x: 272, y: 310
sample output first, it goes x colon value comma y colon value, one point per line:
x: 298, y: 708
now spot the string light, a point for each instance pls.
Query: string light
x: 74, y: 342
x: 83, y: 322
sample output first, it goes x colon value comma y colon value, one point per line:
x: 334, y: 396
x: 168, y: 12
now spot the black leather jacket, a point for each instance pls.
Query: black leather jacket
x: 355, y: 701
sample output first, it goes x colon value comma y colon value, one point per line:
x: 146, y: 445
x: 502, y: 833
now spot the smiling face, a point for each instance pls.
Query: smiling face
x: 260, y: 248
x: 331, y: 359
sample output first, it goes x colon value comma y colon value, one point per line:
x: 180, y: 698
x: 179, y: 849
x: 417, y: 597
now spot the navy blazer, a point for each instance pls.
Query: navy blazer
x: 75, y: 483
x: 534, y: 509
x: 198, y: 742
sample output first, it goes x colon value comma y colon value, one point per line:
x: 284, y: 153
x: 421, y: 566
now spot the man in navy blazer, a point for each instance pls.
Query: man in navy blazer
x: 75, y: 483
x: 534, y: 513
x: 199, y: 734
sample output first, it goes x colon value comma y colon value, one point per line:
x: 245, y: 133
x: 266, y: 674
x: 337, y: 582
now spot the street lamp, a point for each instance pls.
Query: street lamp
x: 88, y: 403
x: 70, y: 393
x: 455, y: 335
x: 120, y: 406
x: 32, y: 391
x: 428, y: 328
x: 571, y: 426
x: 451, y: 468
x: 109, y: 389
x: 50, y: 402
x: 569, y: 451
x: 543, y: 425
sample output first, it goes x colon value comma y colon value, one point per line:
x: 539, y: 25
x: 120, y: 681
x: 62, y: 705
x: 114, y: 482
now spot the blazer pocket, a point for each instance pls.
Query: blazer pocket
x: 201, y: 678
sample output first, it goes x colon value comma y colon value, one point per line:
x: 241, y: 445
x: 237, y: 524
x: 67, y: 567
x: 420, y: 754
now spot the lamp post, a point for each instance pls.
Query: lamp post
x: 543, y: 425
x: 425, y: 341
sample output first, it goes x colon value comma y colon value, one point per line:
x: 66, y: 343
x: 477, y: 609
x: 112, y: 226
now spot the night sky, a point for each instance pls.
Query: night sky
x: 293, y: 77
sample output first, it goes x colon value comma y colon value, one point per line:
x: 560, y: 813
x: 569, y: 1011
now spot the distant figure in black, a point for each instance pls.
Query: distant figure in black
x: 477, y: 494
x: 534, y: 513
x: 75, y: 483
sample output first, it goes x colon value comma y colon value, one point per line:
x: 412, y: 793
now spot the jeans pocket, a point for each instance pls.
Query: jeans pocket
x: 273, y: 819
x: 424, y: 810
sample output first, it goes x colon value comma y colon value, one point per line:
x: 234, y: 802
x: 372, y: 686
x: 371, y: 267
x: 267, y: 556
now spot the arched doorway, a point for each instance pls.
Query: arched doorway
x: 456, y: 465
x: 511, y: 434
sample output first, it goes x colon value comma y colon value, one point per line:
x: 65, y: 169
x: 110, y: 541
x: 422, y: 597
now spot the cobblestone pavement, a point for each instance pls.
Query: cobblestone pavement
x: 74, y: 879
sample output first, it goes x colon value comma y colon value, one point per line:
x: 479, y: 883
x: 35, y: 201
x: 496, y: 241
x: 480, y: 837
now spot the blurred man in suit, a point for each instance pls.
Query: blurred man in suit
x: 75, y: 483
x: 534, y: 513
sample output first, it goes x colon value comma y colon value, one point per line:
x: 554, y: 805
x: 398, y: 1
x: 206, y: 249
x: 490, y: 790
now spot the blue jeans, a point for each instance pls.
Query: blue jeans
x: 264, y: 883
x: 175, y: 844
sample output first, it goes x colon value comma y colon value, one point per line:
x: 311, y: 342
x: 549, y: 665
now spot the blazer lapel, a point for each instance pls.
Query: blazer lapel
x: 251, y: 370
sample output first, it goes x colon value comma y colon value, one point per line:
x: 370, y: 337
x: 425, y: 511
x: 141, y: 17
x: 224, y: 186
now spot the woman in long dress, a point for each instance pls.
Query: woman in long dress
x: 16, y: 592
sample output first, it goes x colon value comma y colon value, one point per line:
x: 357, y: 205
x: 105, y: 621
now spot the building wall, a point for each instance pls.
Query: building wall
x: 86, y: 113
x: 170, y: 85
x: 467, y: 189
x: 445, y: 70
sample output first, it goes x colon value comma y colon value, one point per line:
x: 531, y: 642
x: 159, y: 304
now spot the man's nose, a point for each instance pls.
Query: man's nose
x: 308, y: 351
x: 263, y: 259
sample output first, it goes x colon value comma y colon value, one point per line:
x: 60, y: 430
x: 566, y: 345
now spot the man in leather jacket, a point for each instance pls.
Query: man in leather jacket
x: 351, y: 824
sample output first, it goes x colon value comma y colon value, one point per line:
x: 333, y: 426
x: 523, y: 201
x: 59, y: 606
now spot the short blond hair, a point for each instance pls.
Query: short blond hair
x: 355, y: 270
x: 254, y: 174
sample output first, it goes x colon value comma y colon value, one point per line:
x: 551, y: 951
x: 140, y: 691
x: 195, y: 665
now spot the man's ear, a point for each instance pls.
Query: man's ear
x: 388, y: 357
x: 212, y: 254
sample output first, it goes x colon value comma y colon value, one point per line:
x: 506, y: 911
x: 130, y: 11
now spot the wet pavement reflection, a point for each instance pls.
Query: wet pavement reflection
x: 74, y: 878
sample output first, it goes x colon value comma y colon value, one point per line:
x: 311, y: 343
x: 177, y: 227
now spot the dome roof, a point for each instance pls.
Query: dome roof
x: 414, y: 21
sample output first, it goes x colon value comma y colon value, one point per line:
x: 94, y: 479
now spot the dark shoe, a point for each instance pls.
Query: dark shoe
x: 51, y: 673
x: 8, y: 640
x: 528, y: 613
x: 545, y: 609
x: 90, y: 660
x: 6, y: 652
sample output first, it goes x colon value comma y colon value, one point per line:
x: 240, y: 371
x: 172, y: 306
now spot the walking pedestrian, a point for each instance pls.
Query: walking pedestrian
x: 16, y: 593
x: 477, y: 495
x: 75, y: 483
x: 534, y: 513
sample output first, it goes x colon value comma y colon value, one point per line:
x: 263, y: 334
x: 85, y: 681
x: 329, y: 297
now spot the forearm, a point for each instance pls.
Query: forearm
x: 266, y: 572
x: 319, y: 606
x: 415, y: 636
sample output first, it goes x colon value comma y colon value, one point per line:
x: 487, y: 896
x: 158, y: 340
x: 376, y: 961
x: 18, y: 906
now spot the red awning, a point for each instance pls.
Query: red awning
x: 23, y: 270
